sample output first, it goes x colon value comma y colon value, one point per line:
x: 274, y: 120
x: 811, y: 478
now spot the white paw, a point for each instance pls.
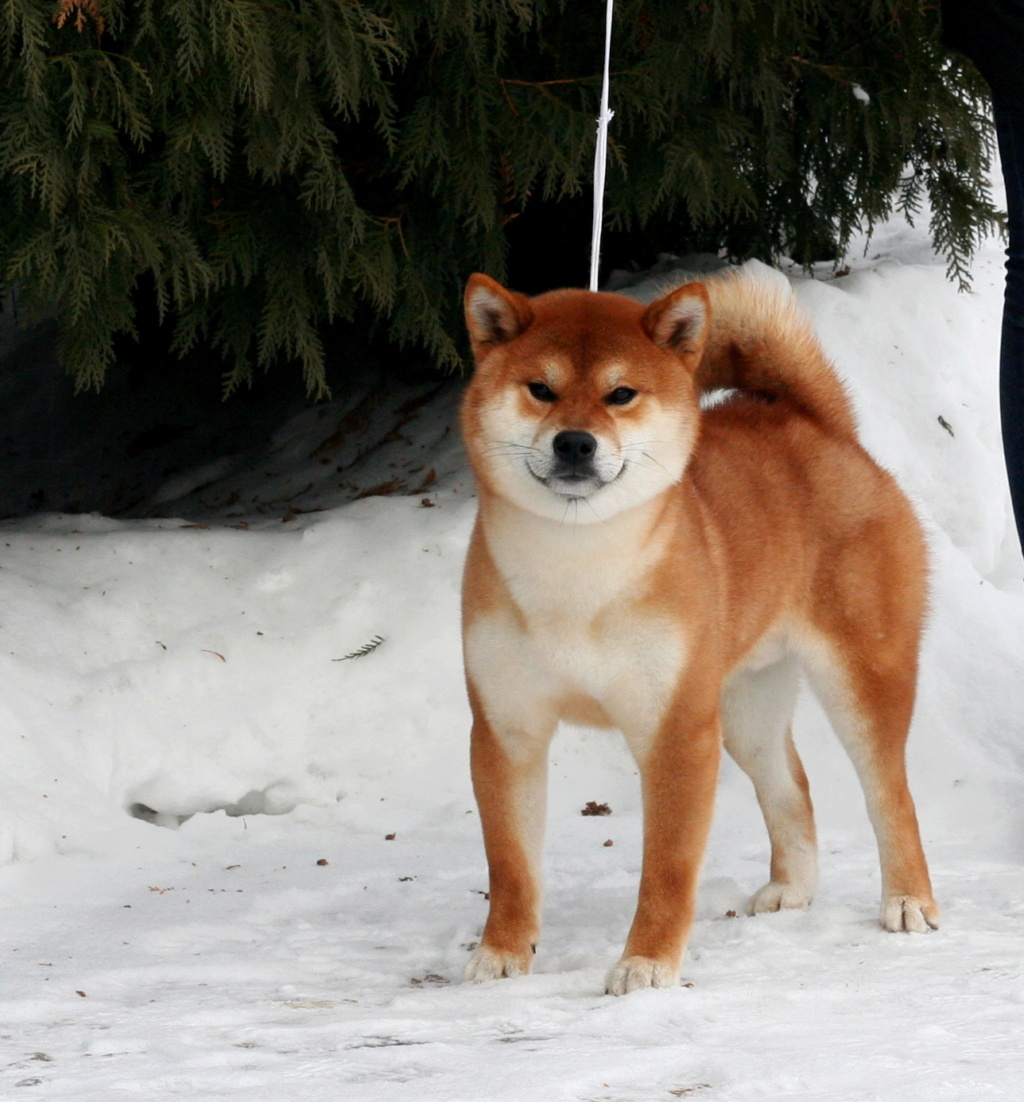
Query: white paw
x: 909, y: 914
x: 492, y: 964
x: 777, y: 896
x: 638, y: 973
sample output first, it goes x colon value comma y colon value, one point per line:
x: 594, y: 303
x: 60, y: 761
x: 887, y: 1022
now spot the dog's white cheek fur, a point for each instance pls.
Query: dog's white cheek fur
x: 655, y: 454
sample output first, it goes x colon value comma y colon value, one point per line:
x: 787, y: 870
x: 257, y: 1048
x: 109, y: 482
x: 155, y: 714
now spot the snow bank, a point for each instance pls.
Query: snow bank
x: 165, y: 670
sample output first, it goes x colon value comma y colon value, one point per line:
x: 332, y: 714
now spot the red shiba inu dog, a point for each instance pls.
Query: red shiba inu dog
x: 642, y: 563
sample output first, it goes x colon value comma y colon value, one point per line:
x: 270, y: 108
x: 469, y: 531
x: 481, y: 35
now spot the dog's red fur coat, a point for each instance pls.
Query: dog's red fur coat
x: 642, y: 562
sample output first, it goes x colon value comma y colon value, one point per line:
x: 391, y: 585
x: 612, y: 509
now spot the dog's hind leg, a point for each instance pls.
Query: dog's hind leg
x: 869, y: 696
x: 757, y: 709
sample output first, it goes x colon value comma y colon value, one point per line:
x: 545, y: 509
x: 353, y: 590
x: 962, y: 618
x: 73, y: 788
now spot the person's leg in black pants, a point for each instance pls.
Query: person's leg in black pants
x: 1010, y: 133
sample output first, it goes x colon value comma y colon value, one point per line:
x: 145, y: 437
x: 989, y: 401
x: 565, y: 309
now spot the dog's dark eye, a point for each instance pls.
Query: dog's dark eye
x: 621, y: 396
x: 541, y: 391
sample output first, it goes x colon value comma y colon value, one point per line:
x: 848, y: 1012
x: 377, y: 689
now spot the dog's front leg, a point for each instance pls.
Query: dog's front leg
x: 679, y: 773
x: 510, y: 781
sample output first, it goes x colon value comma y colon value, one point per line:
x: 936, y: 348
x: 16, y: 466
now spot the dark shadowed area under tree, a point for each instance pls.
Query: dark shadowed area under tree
x: 198, y: 192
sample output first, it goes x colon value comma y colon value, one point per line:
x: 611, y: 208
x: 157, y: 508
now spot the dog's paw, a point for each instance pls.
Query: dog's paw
x: 638, y: 973
x: 495, y: 964
x: 777, y: 896
x: 910, y: 914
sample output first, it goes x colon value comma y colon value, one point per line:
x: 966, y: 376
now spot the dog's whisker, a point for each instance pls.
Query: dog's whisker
x: 510, y: 444
x: 590, y: 506
x: 631, y: 463
x: 650, y: 459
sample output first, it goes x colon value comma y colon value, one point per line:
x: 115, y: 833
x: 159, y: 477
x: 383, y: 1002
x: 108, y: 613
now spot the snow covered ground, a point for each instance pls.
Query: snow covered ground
x: 271, y: 669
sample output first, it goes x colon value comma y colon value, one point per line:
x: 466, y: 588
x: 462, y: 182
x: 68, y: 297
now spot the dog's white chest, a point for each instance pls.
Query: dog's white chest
x: 575, y: 644
x: 620, y: 670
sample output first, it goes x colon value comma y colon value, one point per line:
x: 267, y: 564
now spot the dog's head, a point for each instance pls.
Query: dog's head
x: 582, y: 404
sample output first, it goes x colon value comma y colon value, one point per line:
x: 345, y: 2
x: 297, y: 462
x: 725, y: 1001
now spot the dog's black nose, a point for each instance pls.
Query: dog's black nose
x: 574, y: 447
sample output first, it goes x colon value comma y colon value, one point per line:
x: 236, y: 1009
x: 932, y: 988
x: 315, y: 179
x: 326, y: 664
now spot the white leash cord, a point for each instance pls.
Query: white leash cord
x: 601, y: 154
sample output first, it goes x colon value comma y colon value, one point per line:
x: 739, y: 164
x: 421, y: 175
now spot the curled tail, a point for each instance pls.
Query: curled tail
x: 761, y: 343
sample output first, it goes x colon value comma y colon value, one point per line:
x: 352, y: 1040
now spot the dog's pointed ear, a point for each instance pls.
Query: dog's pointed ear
x: 494, y: 314
x: 678, y: 322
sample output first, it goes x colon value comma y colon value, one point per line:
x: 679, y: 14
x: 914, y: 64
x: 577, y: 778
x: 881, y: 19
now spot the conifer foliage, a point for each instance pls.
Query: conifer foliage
x: 264, y: 171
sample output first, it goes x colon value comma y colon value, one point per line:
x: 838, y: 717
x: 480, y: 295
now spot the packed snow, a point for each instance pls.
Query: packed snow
x: 241, y: 854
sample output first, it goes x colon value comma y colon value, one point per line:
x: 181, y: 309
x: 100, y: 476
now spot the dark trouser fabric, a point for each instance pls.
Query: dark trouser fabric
x: 1010, y: 133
